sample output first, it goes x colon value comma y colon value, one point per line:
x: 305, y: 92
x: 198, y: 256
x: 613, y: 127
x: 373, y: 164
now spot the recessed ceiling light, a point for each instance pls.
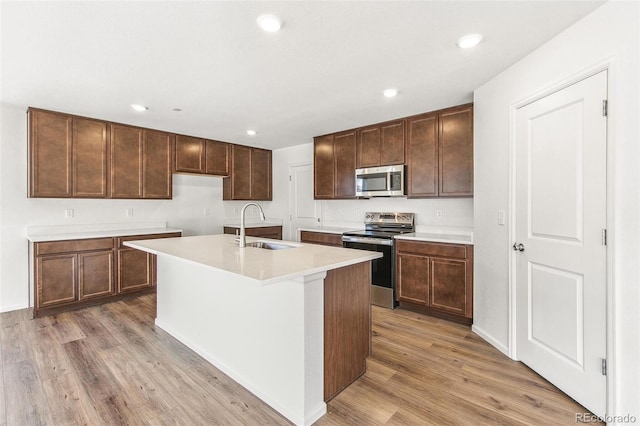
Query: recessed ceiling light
x: 177, y: 109
x: 269, y: 23
x: 390, y: 93
x: 139, y: 107
x: 251, y: 132
x: 469, y: 40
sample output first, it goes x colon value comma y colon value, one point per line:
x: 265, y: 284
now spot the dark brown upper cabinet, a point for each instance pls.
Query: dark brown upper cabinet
x: 201, y: 156
x: 250, y: 177
x: 140, y: 163
x: 455, y: 155
x: 335, y: 165
x: 68, y: 156
x: 440, y: 153
x: 381, y: 145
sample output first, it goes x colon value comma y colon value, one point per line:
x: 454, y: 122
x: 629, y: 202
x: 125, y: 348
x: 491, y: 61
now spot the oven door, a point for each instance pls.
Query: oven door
x: 382, y: 269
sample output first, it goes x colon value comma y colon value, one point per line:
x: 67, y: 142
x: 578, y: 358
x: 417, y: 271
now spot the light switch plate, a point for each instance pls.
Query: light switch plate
x: 501, y: 217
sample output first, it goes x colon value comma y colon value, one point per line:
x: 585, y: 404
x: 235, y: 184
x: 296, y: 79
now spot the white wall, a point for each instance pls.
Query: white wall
x: 191, y: 195
x: 612, y: 31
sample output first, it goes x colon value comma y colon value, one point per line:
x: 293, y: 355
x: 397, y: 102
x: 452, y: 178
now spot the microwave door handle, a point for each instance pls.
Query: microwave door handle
x: 389, y: 181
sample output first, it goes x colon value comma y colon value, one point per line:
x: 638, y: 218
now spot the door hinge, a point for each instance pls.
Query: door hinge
x: 604, y: 366
x: 604, y: 237
x: 605, y: 107
x: 289, y: 178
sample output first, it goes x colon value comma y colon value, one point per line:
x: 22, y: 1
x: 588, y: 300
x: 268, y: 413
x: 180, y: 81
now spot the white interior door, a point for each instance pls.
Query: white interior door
x: 304, y: 211
x: 560, y: 220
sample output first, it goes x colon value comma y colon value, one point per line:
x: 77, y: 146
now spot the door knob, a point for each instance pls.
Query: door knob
x: 518, y: 247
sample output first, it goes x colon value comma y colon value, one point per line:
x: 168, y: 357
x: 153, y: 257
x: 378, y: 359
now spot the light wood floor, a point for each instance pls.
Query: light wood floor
x: 110, y: 365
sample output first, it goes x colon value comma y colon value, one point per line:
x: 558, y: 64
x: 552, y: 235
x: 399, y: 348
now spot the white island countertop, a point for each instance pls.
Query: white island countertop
x: 222, y: 253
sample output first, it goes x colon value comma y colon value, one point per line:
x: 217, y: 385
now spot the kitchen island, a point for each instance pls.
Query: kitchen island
x: 293, y: 326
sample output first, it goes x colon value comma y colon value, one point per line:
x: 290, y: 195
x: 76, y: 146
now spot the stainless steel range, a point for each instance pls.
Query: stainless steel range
x: 378, y: 235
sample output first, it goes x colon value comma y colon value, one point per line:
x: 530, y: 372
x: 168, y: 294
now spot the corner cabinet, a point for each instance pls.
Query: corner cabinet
x: 250, y: 177
x: 335, y: 166
x: 436, y: 279
x: 71, y: 274
x: 439, y: 152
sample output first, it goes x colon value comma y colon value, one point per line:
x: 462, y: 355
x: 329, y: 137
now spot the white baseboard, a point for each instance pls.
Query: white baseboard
x: 13, y: 307
x: 491, y: 340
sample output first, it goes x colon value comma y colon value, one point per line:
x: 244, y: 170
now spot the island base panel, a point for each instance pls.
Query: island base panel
x: 347, y: 326
x: 268, y: 338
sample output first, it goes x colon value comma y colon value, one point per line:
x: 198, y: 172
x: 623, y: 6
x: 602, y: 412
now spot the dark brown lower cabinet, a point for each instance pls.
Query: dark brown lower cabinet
x: 71, y: 274
x: 322, y: 238
x: 272, y: 232
x: 436, y: 279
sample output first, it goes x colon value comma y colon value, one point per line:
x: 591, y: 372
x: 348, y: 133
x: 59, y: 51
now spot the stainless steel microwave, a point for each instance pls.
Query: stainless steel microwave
x: 385, y: 181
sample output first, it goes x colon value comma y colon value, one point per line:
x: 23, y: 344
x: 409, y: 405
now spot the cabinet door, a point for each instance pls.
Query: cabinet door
x: 412, y: 278
x: 260, y: 174
x: 456, y: 152
x: 157, y: 160
x: 345, y: 161
x: 95, y: 274
x: 55, y: 278
x: 217, y: 158
x: 448, y: 286
x: 135, y: 270
x: 90, y: 158
x: 422, y: 156
x: 368, y: 147
x: 240, y: 172
x: 323, y: 167
x: 321, y: 238
x: 190, y: 154
x: 50, y: 154
x: 392, y: 143
x: 126, y: 162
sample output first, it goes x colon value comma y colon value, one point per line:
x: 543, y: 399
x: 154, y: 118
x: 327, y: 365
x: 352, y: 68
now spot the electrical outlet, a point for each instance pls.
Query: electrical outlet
x: 128, y: 212
x: 68, y: 214
x: 206, y: 211
x: 439, y: 214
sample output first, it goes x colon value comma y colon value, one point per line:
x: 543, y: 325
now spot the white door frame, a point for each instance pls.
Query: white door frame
x: 292, y: 232
x: 609, y: 65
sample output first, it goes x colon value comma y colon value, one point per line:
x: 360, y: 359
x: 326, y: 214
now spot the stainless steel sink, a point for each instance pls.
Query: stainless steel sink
x: 267, y: 245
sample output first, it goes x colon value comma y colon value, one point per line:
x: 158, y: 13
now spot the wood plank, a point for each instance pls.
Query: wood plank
x: 110, y: 364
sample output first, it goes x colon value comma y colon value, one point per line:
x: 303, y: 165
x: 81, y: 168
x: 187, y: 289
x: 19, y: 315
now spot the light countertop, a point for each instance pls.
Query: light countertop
x: 331, y: 229
x: 221, y: 252
x: 252, y: 224
x: 38, y: 234
x: 439, y: 237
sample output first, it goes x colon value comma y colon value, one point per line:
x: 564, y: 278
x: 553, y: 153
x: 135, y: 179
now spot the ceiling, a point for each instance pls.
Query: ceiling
x: 323, y: 72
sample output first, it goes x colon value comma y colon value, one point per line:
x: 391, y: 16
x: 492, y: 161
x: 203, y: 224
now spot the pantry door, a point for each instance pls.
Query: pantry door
x: 560, y: 207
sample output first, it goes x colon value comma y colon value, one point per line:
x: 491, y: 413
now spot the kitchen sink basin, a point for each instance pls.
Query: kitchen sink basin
x: 267, y: 245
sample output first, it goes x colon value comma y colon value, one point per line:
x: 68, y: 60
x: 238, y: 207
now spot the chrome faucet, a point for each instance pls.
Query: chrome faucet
x: 242, y: 241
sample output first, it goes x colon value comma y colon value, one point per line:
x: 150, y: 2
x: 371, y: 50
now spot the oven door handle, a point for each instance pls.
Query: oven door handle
x: 367, y: 240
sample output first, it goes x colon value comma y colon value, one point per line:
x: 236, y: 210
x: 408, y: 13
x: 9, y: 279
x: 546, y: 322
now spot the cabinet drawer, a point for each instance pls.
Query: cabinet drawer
x: 321, y: 238
x: 72, y: 246
x: 432, y: 249
x: 121, y: 240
